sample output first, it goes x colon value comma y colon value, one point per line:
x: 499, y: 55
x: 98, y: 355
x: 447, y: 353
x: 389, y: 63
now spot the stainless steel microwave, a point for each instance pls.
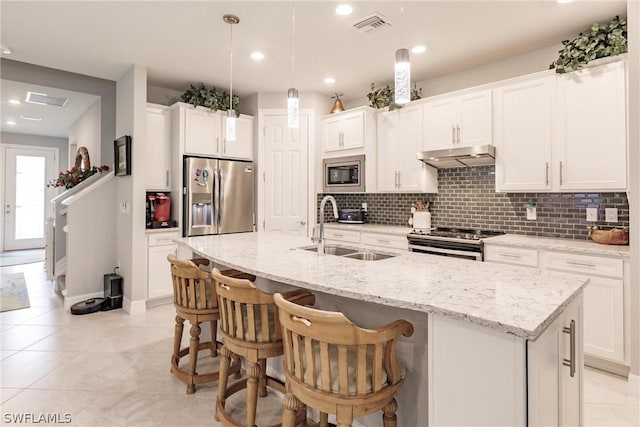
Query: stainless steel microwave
x: 343, y: 175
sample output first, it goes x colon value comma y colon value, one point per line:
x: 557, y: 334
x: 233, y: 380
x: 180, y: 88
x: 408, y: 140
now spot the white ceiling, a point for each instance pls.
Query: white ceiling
x: 182, y: 42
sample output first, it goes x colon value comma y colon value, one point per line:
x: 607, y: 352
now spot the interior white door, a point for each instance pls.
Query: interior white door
x: 26, y: 195
x: 285, y: 175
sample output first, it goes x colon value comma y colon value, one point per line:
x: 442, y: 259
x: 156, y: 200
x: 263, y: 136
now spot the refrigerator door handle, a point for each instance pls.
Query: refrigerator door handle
x: 220, y: 197
x: 216, y: 203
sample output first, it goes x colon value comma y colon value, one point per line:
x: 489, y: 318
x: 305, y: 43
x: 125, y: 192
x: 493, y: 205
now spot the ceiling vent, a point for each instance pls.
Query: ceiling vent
x: 374, y: 23
x: 44, y: 99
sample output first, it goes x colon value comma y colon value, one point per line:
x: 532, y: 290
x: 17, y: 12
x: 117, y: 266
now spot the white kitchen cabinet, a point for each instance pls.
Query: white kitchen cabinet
x: 523, y: 119
x: 523, y: 382
x: 159, y: 245
x: 350, y: 130
x: 399, y: 141
x: 384, y: 240
x: 458, y: 121
x: 242, y: 147
x: 344, y: 236
x: 158, y: 148
x: 592, y: 150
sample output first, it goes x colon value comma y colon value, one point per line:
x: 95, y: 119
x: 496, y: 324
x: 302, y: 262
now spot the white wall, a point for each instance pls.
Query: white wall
x: 85, y: 132
x: 62, y: 144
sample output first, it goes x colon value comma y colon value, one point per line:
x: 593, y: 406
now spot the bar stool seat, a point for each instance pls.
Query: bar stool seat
x: 338, y: 368
x: 195, y: 300
x: 250, y: 329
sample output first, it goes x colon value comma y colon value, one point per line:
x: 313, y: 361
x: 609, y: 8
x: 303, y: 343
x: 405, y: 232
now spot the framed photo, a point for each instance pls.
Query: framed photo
x: 122, y: 155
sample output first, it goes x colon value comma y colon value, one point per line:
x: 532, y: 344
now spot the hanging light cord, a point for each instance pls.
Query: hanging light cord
x: 293, y: 42
x: 401, y: 24
x: 230, y: 66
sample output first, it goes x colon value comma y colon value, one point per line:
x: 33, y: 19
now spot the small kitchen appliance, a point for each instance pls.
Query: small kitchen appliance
x: 158, y: 207
x: 351, y: 216
x: 455, y: 242
x: 343, y: 175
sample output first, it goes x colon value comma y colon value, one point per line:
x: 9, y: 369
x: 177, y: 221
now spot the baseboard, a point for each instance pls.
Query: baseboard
x: 134, y: 307
x: 605, y: 365
x: 159, y: 301
x: 634, y: 381
x: 69, y: 301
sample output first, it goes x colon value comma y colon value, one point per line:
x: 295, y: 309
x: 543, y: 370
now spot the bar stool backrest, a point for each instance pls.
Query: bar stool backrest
x: 193, y: 290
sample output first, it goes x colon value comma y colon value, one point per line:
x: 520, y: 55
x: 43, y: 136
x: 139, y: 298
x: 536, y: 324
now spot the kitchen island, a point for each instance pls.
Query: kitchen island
x: 487, y: 337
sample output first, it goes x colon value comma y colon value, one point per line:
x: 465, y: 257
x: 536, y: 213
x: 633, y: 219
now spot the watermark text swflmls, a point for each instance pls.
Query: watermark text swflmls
x: 36, y: 418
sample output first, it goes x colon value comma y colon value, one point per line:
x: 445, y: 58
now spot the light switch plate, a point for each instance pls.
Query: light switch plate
x: 611, y: 214
x: 592, y: 214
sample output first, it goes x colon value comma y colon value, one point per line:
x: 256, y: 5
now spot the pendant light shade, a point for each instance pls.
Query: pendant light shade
x: 292, y: 107
x: 230, y: 121
x: 402, y: 76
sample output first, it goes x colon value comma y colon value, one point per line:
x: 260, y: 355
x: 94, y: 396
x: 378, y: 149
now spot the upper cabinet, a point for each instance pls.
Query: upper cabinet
x: 348, y: 131
x: 562, y: 133
x: 201, y: 132
x: 457, y: 121
x: 592, y: 149
x: 158, y: 148
x: 400, y: 138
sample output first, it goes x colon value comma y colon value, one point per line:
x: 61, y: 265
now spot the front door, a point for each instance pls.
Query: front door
x: 26, y: 195
x: 285, y: 174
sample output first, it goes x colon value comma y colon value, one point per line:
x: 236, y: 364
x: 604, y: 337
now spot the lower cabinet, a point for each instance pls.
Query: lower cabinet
x: 159, y: 245
x: 483, y: 376
x: 370, y: 239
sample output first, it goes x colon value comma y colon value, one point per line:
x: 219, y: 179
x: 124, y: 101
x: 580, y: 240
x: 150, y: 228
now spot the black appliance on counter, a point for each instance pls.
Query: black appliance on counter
x: 158, y: 210
x: 351, y: 216
x: 456, y: 242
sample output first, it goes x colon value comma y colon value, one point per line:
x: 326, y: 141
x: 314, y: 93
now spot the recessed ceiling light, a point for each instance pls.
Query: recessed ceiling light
x: 329, y: 80
x: 344, y: 10
x: 419, y: 49
x: 5, y: 50
x: 563, y: 1
x: 35, y: 119
x: 14, y: 101
x: 10, y: 122
x: 257, y: 56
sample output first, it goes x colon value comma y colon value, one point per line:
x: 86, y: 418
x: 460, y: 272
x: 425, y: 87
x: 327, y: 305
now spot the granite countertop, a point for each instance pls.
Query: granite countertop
x: 569, y: 245
x: 515, y: 300
x: 374, y: 228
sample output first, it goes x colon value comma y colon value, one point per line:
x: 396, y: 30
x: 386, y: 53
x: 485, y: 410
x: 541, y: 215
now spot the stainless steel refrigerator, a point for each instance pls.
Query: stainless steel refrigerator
x: 218, y: 196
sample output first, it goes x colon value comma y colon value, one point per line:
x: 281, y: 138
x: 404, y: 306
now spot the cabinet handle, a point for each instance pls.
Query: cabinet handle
x: 571, y: 362
x: 337, y: 235
x: 383, y: 241
x: 399, y: 179
x: 167, y: 173
x: 453, y: 134
x: 458, y: 134
x: 547, y: 174
x: 561, y: 173
x: 581, y: 264
x: 510, y: 255
x: 341, y: 139
x: 217, y: 144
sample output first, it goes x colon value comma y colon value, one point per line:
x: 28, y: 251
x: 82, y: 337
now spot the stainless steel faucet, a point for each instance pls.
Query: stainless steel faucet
x: 335, y: 214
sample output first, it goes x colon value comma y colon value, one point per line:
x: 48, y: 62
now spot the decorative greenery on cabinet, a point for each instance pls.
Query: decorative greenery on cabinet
x: 383, y: 97
x: 599, y: 41
x: 212, y: 98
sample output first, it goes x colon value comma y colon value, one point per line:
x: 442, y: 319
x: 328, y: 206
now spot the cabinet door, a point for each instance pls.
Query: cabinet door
x: 158, y: 272
x: 332, y: 134
x: 473, y: 124
x: 603, y: 318
x: 353, y: 130
x: 523, y: 137
x: 571, y: 383
x: 592, y: 131
x: 203, y: 130
x: 439, y: 119
x: 408, y: 143
x: 387, y: 176
x: 242, y: 147
x: 158, y: 149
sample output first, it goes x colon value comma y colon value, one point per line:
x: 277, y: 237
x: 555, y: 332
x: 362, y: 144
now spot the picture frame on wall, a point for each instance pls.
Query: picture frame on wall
x: 122, y: 155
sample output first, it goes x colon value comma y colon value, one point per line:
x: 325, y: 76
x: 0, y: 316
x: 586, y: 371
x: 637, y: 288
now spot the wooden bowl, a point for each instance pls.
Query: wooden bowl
x: 614, y: 236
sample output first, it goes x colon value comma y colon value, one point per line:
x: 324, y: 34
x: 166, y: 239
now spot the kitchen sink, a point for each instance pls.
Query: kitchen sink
x: 369, y: 256
x: 331, y: 250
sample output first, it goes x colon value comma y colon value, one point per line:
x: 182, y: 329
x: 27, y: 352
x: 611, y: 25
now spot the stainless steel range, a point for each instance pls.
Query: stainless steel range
x: 456, y: 242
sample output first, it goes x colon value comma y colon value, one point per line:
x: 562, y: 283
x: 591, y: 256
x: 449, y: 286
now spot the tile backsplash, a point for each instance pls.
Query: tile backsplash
x: 467, y: 198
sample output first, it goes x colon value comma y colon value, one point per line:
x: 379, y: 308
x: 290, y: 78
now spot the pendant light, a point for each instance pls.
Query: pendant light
x: 292, y: 93
x: 402, y: 73
x: 230, y: 123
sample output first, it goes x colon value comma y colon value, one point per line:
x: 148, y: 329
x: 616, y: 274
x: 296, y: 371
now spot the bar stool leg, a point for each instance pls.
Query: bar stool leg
x: 389, y: 418
x: 324, y: 419
x: 290, y: 410
x: 225, y: 357
x: 177, y: 339
x: 253, y: 372
x: 214, y: 337
x: 194, y: 343
x: 262, y: 385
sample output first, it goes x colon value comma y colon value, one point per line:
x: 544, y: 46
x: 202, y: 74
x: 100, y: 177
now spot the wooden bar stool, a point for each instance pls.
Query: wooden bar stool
x: 195, y: 300
x: 336, y: 367
x: 250, y: 329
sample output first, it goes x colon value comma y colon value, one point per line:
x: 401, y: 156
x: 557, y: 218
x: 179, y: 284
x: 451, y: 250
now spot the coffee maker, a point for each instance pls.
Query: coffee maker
x: 158, y: 207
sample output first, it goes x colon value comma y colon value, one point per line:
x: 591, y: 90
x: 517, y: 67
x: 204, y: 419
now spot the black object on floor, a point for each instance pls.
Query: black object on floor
x: 88, y: 306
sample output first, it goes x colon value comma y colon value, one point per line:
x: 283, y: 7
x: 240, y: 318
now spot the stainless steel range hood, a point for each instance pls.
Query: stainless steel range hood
x: 477, y: 155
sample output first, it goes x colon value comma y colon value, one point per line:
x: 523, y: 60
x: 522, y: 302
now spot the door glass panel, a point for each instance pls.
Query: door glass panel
x: 30, y: 189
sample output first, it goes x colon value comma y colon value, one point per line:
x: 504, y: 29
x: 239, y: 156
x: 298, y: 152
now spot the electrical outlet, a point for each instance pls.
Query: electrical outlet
x: 531, y: 213
x: 124, y: 208
x: 364, y: 206
x: 592, y: 214
x: 611, y: 214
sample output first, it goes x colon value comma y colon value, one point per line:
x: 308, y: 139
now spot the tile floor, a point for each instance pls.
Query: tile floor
x: 112, y: 369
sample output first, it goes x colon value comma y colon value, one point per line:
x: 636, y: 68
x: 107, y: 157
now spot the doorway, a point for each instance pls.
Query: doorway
x: 27, y: 199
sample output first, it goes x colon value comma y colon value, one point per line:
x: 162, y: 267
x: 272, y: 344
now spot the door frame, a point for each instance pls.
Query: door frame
x: 3, y: 147
x: 311, y: 158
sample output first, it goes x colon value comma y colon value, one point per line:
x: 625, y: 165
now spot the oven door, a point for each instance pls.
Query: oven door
x: 473, y: 253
